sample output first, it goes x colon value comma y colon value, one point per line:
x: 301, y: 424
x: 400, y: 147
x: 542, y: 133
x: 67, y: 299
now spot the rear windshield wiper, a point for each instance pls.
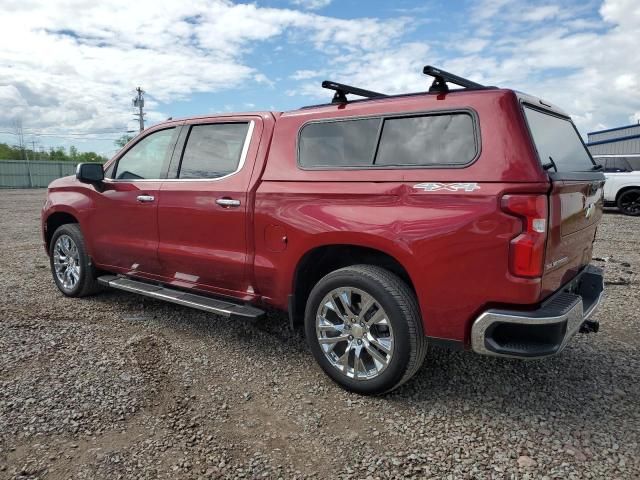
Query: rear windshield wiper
x: 597, y: 167
x: 550, y: 165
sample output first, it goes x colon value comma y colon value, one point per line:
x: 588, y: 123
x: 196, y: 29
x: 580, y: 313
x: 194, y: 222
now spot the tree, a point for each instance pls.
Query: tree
x: 123, y: 140
x: 55, y: 154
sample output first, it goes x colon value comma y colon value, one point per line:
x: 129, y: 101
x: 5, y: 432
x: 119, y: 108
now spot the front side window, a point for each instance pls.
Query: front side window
x: 557, y: 142
x: 148, y: 158
x: 213, y: 150
x: 438, y: 139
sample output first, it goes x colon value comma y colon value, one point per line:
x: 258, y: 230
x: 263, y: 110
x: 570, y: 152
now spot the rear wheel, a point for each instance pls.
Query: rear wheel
x: 364, y: 329
x: 71, y: 267
x: 629, y: 202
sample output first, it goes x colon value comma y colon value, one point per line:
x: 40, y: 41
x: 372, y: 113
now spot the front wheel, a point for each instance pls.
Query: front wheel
x: 71, y: 266
x: 364, y: 329
x: 629, y: 202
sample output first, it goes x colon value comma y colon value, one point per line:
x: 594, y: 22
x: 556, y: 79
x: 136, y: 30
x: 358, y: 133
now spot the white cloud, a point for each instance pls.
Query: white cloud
x: 537, y: 14
x: 72, y: 64
x: 473, y: 45
x: 305, y: 74
x: 592, y: 69
x: 312, y: 4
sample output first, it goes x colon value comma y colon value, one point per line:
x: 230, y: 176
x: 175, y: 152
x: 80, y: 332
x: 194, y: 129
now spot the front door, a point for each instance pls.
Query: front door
x: 124, y: 224
x: 202, y: 214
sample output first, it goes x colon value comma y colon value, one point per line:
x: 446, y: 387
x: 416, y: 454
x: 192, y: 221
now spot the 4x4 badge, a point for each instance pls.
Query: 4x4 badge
x: 449, y: 187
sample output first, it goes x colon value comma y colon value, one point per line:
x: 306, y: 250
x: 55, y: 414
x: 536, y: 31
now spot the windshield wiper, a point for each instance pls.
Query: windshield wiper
x: 597, y: 167
x: 550, y: 165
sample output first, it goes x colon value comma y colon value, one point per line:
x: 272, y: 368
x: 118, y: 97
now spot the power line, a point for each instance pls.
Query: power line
x: 89, y: 136
x: 68, y: 134
x: 116, y: 130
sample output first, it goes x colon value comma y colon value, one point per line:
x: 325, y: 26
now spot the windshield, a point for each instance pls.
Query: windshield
x: 557, y: 140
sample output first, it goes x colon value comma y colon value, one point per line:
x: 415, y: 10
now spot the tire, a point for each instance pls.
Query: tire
x: 390, y: 329
x: 629, y: 202
x: 80, y: 269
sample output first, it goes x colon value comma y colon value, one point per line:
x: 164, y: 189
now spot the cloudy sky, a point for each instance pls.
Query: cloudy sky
x: 68, y: 69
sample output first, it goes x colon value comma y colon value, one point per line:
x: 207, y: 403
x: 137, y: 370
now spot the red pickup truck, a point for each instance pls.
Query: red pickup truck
x: 460, y: 217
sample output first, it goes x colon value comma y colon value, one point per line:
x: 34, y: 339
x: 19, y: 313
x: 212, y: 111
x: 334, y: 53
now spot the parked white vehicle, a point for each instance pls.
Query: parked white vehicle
x: 622, y: 188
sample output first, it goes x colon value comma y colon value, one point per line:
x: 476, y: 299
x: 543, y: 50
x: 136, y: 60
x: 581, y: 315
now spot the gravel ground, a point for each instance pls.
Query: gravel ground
x: 120, y: 386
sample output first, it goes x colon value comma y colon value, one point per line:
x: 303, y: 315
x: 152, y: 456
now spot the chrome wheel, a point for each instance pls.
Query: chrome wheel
x: 354, y: 333
x: 66, y: 262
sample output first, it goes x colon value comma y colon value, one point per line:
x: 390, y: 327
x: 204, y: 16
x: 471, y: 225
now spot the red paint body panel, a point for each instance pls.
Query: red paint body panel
x: 454, y: 245
x: 124, y: 232
x: 200, y: 242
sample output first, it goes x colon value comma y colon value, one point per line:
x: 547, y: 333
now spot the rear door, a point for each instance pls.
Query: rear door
x: 124, y: 224
x: 202, y: 216
x: 576, y: 197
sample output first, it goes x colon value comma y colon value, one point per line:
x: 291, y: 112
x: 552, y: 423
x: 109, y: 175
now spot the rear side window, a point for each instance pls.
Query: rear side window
x: 558, y: 142
x: 213, y: 150
x: 619, y: 164
x: 427, y: 140
x: 420, y: 140
x: 341, y: 143
x: 634, y: 163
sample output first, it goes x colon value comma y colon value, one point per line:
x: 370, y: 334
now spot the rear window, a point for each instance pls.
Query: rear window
x: 557, y: 141
x: 420, y: 140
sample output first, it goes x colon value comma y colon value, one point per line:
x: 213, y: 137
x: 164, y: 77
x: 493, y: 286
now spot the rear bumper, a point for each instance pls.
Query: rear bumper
x: 542, y: 332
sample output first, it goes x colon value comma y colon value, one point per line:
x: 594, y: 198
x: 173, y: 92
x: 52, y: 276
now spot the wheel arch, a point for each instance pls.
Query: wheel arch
x: 54, y: 221
x: 626, y: 188
x: 321, y: 260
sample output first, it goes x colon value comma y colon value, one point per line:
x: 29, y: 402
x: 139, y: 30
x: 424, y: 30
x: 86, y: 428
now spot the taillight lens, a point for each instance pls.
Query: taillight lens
x: 526, y: 252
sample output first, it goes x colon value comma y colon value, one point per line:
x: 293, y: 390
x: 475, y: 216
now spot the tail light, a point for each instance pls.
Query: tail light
x: 526, y: 252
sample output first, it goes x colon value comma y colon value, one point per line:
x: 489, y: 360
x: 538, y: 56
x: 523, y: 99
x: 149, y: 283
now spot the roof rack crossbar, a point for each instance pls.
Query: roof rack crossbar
x: 440, y: 79
x: 342, y: 90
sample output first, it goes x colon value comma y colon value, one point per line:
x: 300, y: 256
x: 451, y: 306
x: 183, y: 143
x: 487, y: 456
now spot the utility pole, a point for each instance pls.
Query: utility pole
x: 139, y: 102
x: 20, y: 134
x: 23, y: 150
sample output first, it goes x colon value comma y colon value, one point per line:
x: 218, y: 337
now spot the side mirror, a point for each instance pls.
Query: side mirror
x: 90, y: 173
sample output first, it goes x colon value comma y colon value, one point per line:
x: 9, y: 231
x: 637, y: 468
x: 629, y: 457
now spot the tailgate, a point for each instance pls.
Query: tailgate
x: 575, y: 208
x: 575, y: 197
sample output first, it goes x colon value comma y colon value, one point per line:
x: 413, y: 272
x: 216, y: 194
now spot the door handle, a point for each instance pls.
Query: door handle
x: 228, y: 202
x: 146, y: 198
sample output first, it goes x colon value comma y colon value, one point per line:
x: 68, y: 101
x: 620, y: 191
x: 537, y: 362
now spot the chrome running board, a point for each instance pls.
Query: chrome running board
x: 200, y: 302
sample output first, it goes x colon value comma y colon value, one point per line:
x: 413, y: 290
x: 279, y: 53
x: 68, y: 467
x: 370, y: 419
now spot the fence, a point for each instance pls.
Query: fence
x: 23, y: 174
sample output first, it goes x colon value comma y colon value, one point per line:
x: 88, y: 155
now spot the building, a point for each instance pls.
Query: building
x: 615, y: 141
